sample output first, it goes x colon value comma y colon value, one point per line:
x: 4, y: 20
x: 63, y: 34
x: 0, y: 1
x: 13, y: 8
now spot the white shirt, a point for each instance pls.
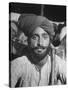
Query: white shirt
x: 29, y: 75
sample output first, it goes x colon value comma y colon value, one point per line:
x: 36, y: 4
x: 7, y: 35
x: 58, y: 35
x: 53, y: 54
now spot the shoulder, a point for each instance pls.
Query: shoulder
x: 21, y: 60
x: 20, y: 64
x: 18, y: 68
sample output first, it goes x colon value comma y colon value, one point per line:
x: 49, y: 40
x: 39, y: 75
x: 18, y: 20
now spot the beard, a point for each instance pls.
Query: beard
x: 37, y: 57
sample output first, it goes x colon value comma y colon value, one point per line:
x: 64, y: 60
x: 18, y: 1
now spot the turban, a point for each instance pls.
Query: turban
x: 27, y: 23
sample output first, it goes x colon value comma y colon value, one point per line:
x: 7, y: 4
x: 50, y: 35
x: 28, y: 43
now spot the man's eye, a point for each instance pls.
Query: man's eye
x: 45, y: 37
x: 34, y: 37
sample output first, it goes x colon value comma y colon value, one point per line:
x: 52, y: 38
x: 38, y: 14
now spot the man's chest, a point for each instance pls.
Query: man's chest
x: 36, y: 77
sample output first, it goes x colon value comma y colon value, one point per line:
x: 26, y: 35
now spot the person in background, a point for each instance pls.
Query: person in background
x: 13, y: 29
x: 62, y: 29
x: 59, y: 40
x: 18, y: 41
x: 21, y: 43
x: 35, y: 67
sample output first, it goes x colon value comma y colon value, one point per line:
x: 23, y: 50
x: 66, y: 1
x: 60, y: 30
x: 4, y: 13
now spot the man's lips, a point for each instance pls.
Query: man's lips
x: 40, y: 48
x: 39, y: 51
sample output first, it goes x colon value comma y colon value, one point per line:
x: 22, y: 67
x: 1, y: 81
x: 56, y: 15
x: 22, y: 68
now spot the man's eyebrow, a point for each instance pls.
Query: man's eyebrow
x: 35, y: 35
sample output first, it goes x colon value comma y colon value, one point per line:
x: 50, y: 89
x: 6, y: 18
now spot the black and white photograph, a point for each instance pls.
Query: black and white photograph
x: 37, y: 45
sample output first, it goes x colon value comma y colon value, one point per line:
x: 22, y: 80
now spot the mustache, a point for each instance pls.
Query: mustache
x: 40, y: 47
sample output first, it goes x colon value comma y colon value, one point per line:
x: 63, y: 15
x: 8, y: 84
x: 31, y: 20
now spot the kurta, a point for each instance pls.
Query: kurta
x: 26, y: 74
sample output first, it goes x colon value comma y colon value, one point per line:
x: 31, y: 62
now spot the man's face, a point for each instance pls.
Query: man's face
x: 39, y: 41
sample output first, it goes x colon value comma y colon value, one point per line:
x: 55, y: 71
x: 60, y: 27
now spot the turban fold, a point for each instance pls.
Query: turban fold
x: 28, y: 23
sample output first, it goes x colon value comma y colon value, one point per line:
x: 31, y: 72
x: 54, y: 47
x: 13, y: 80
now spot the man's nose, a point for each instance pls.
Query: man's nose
x: 40, y: 42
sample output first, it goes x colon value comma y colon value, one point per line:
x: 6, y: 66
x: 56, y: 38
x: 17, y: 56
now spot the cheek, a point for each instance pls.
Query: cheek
x: 33, y: 43
x: 46, y: 42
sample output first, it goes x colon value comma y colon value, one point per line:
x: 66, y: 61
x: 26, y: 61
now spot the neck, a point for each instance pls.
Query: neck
x: 43, y: 61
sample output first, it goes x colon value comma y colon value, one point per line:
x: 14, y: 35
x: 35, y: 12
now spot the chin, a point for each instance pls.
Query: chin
x: 40, y: 54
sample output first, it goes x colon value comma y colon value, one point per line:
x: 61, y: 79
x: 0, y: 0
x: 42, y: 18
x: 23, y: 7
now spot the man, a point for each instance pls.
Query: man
x: 35, y: 67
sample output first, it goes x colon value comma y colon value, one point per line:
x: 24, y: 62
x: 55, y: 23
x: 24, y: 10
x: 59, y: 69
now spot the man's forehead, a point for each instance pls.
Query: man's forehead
x: 39, y: 30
